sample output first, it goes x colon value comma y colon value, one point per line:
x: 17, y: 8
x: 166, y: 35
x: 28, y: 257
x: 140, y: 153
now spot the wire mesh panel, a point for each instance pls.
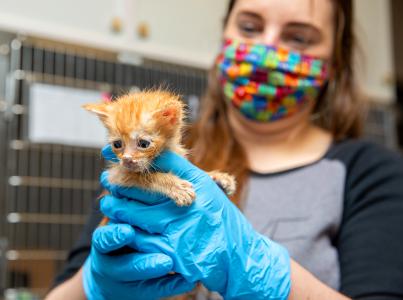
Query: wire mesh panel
x: 4, y: 62
x: 48, y: 188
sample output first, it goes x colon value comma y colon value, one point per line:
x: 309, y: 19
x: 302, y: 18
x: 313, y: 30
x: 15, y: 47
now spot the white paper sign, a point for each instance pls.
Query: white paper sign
x: 56, y: 116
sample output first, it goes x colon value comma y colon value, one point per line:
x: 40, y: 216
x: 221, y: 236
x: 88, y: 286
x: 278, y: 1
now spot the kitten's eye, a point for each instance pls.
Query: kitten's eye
x: 144, y: 144
x: 117, y: 144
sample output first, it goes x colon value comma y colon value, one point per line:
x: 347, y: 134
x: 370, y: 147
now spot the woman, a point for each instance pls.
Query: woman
x: 282, y: 114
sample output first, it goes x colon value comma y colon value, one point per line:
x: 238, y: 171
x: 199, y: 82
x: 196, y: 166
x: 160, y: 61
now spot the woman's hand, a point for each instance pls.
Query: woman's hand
x: 210, y: 241
x: 127, y: 276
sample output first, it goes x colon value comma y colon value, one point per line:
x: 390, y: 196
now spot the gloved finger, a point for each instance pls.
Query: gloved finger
x: 151, y: 243
x: 108, y: 154
x: 187, y: 265
x: 147, y: 242
x: 112, y: 236
x: 139, y: 194
x: 153, y: 219
x: 133, y: 266
x: 166, y: 286
x: 169, y: 161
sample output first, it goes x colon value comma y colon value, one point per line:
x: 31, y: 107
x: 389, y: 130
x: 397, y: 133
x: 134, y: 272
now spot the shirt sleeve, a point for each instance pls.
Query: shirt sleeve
x: 80, y: 251
x: 370, y: 240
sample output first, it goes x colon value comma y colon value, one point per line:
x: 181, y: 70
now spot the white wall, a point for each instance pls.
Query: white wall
x: 88, y: 14
x: 374, y: 30
x: 182, y: 31
x: 194, y: 25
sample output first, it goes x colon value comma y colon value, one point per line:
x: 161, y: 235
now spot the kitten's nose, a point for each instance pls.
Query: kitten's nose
x: 128, y: 162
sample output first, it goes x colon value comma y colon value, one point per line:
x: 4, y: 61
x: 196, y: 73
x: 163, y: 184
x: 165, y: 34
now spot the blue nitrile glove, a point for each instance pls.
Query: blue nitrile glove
x: 210, y: 241
x: 127, y: 276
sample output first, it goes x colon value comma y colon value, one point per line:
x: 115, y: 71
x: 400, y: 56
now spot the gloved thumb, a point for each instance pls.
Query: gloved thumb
x: 171, y: 162
x: 108, y: 154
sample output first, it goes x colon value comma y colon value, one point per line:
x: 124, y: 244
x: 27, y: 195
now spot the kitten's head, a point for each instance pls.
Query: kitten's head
x: 141, y: 125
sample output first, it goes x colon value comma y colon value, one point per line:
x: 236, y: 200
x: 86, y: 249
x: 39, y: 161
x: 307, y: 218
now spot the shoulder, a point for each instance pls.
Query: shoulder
x: 372, y: 219
x: 372, y: 172
x: 353, y: 151
x: 363, y: 158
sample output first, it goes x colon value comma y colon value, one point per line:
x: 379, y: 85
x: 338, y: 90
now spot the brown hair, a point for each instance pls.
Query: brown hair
x: 338, y: 109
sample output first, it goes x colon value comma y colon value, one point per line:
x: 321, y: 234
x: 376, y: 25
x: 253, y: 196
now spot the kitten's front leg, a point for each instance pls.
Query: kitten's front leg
x: 226, y: 181
x: 182, y: 192
x: 179, y: 190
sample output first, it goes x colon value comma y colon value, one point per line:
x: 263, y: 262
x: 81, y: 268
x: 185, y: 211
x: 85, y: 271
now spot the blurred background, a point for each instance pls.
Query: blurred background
x: 57, y: 55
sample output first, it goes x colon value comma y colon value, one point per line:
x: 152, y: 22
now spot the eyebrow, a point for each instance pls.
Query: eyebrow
x: 249, y: 14
x: 303, y: 25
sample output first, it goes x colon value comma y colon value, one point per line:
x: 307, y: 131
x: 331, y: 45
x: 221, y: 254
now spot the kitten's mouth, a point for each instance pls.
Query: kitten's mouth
x: 133, y: 166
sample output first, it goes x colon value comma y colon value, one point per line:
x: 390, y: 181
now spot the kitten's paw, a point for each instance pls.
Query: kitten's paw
x: 183, y: 193
x: 225, y: 181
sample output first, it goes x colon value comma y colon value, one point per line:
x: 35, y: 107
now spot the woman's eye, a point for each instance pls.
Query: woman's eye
x: 117, y: 144
x: 144, y: 144
x: 300, y: 39
x: 249, y: 28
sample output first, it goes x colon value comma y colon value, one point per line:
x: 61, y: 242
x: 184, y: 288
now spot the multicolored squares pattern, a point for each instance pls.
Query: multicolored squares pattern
x: 268, y: 83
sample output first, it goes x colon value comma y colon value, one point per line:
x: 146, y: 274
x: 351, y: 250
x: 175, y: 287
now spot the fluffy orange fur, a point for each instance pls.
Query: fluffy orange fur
x: 158, y: 114
x: 143, y: 124
x: 140, y: 126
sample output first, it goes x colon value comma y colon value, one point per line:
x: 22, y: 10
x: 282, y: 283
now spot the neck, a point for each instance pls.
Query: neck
x: 285, y: 132
x: 280, y: 145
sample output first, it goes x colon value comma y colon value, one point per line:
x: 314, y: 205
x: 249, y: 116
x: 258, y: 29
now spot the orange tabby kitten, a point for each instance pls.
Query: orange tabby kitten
x: 140, y: 126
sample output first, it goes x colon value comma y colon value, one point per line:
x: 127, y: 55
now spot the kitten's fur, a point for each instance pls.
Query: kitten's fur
x: 146, y: 123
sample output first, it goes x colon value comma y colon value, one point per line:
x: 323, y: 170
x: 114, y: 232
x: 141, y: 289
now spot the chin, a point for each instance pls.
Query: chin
x: 134, y: 169
x: 237, y: 119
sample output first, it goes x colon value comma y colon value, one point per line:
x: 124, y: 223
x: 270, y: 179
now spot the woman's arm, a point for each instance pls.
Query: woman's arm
x: 70, y: 289
x: 303, y: 286
x: 369, y: 242
x: 68, y: 283
x: 109, y: 273
x: 306, y: 286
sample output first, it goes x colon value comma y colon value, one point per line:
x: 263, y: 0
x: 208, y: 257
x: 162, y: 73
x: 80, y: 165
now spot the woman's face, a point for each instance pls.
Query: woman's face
x: 303, y: 25
x: 306, y: 26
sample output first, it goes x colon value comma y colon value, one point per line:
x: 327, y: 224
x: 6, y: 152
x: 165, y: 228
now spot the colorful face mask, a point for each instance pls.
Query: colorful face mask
x: 267, y: 83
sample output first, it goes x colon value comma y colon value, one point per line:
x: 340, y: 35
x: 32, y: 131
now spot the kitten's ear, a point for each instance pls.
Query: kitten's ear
x: 170, y: 115
x: 100, y: 109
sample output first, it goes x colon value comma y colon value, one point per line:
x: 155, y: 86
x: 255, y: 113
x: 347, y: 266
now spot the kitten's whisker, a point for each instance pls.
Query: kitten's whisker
x: 147, y: 171
x: 153, y: 167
